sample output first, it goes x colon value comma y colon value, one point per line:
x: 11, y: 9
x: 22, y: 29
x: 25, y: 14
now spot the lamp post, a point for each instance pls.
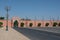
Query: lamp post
x: 7, y: 10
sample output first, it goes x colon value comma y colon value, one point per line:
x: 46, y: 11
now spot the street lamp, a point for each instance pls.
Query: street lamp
x: 7, y: 8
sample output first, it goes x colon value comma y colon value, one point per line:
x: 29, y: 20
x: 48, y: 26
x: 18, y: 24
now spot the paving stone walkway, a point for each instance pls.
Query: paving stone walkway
x: 11, y: 34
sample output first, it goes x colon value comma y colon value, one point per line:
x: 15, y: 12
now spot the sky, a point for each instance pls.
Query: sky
x: 31, y: 9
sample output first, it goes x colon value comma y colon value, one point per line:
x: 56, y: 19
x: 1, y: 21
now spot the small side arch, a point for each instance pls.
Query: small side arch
x: 39, y: 24
x: 30, y: 24
x: 22, y: 24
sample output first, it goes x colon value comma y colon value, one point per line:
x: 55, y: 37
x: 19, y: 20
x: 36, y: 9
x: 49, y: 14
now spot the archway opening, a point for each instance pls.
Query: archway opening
x: 31, y: 24
x: 47, y: 24
x: 54, y: 24
x: 15, y: 23
x: 39, y: 24
x: 22, y: 24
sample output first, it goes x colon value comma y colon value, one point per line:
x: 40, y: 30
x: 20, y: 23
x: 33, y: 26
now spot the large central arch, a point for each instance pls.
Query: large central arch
x: 15, y: 23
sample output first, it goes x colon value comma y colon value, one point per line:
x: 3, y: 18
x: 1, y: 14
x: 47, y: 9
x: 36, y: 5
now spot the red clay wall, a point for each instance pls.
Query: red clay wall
x: 5, y: 23
x: 26, y: 23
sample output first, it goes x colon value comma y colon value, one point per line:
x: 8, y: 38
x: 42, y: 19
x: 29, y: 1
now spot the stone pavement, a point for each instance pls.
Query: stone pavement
x: 11, y: 34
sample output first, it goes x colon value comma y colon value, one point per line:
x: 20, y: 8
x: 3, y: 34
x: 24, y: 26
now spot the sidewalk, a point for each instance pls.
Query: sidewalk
x: 11, y: 34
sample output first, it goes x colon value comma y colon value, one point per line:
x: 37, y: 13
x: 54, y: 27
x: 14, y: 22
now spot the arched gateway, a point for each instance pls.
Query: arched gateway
x: 15, y: 21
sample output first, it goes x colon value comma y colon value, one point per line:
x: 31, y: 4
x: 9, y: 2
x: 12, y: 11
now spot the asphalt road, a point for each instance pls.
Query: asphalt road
x: 37, y: 34
x: 49, y: 29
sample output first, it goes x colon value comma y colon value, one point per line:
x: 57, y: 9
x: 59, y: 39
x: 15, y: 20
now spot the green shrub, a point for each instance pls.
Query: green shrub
x: 1, y: 23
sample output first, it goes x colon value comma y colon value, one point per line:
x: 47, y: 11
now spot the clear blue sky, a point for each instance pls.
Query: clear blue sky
x: 31, y: 8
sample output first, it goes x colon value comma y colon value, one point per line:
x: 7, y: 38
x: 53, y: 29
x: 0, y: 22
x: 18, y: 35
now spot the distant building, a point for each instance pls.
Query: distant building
x: 17, y: 22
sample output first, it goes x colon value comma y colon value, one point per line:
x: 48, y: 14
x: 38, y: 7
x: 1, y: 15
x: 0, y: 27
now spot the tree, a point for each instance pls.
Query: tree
x: 22, y: 24
x: 31, y: 24
x: 47, y: 24
x: 1, y: 24
x: 55, y: 23
x: 39, y: 24
x: 1, y: 18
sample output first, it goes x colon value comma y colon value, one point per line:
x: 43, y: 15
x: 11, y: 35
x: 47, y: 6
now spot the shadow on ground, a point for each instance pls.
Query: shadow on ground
x: 37, y: 34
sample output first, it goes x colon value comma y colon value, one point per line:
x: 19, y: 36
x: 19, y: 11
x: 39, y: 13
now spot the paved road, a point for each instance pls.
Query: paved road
x: 37, y: 35
x: 48, y: 29
x: 11, y: 34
